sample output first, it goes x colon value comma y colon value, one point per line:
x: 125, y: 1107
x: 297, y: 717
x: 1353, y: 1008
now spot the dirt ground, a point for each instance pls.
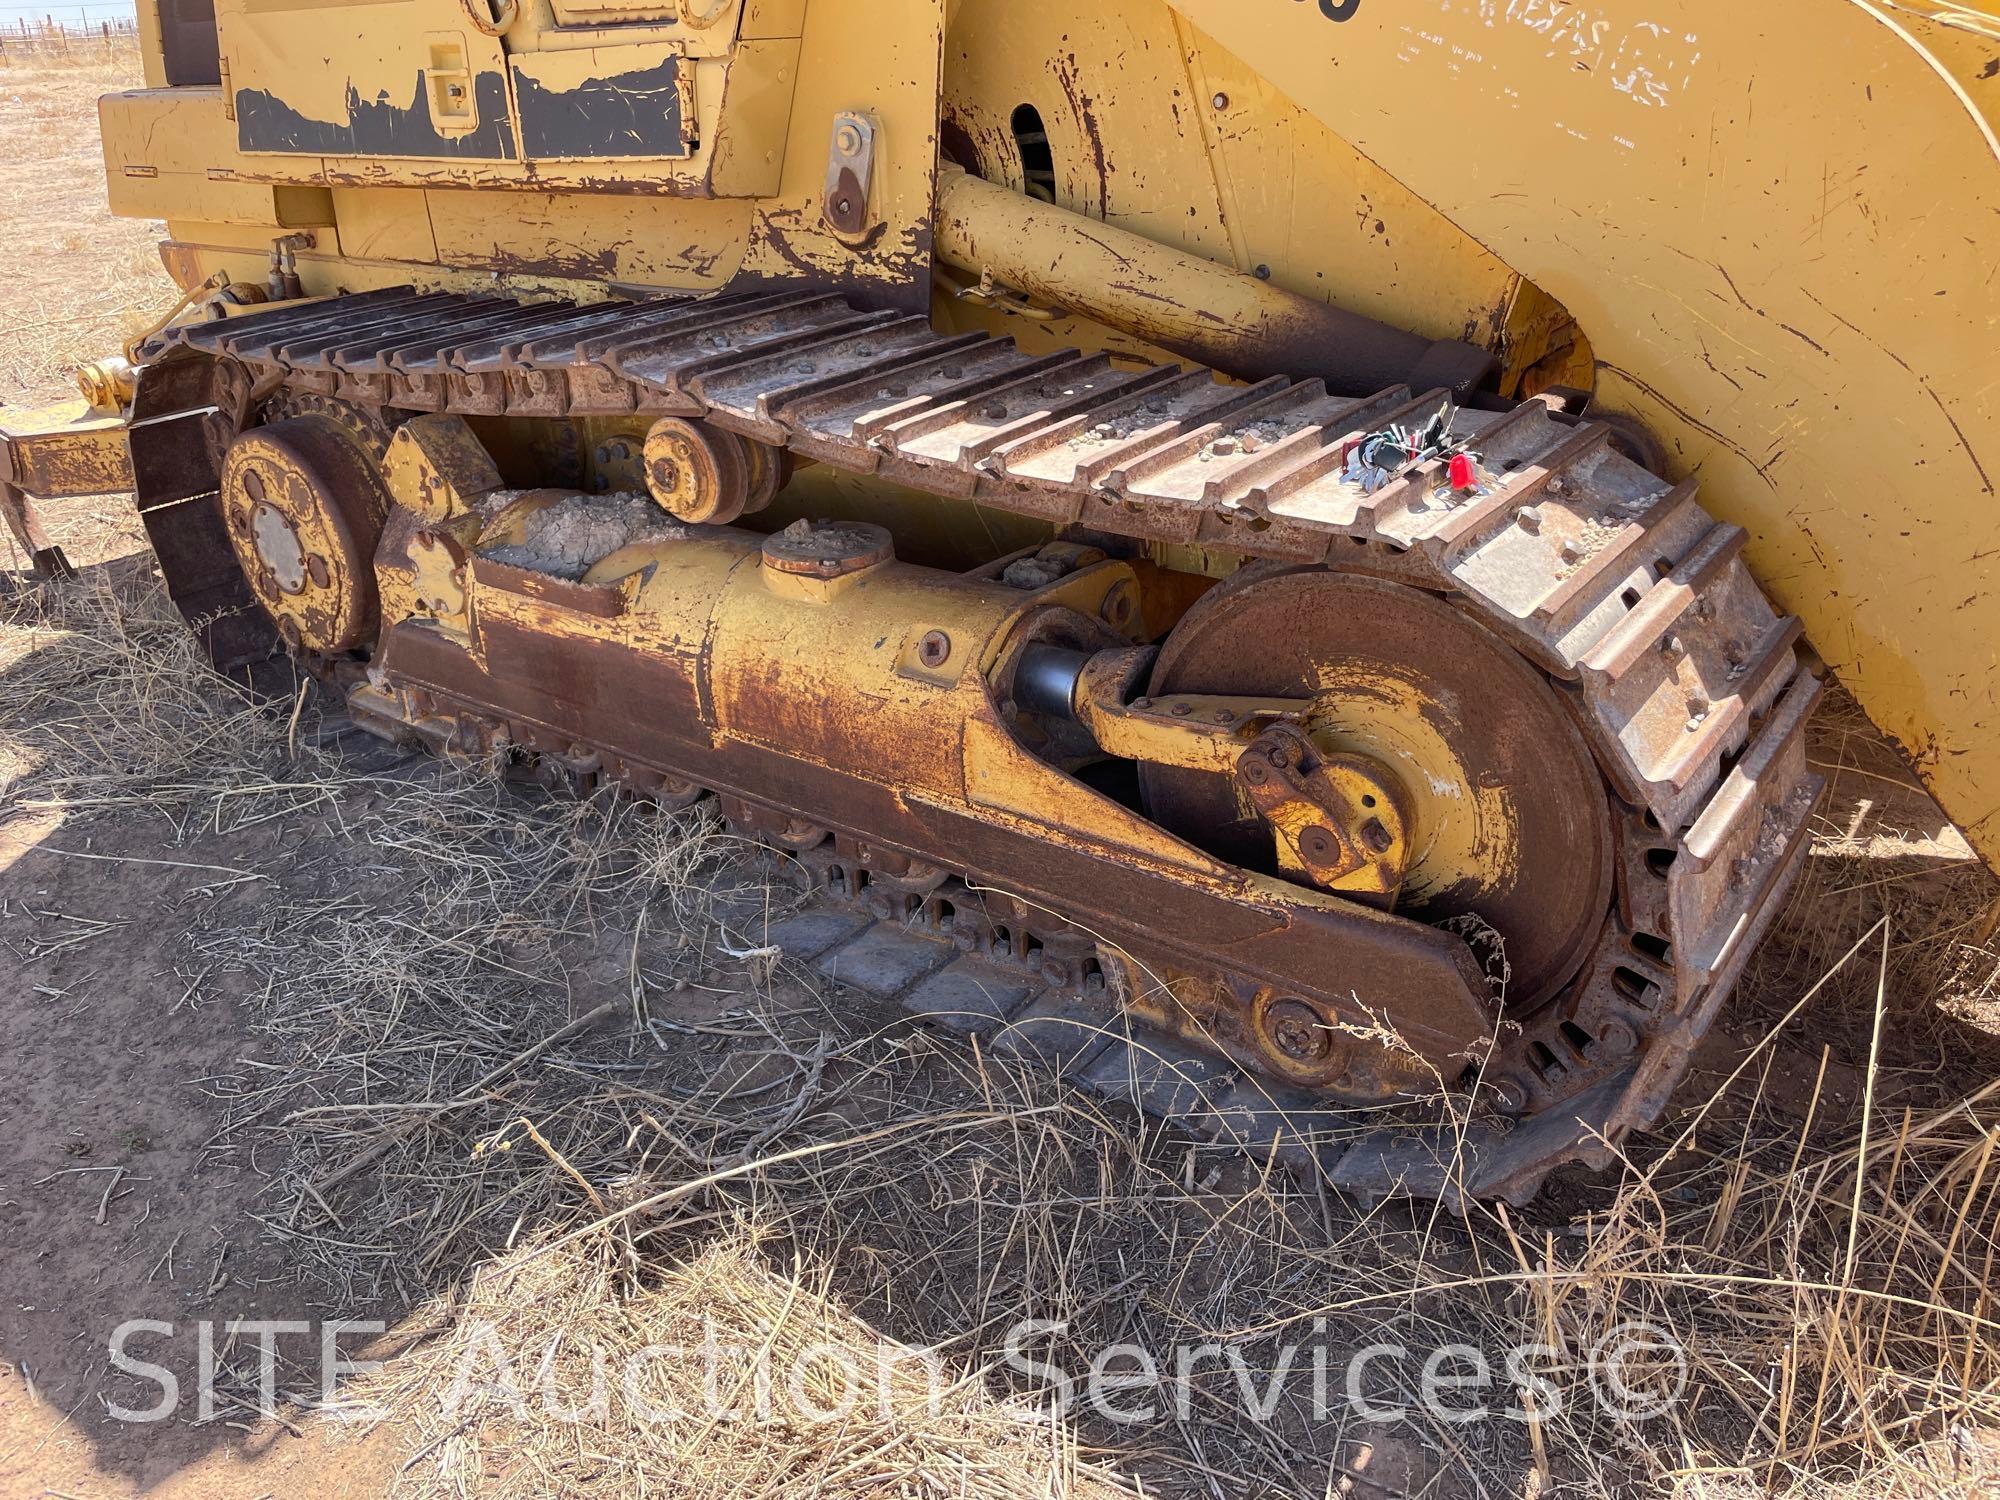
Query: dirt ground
x: 295, y: 1027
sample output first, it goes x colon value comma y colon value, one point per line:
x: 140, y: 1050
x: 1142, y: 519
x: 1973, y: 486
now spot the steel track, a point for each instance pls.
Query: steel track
x: 1619, y: 587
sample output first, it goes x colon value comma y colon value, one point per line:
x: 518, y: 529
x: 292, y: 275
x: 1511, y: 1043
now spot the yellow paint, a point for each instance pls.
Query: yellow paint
x: 1125, y: 90
x: 1725, y: 199
x: 65, y: 449
x: 435, y: 468
x: 384, y: 224
x: 1363, y: 794
x: 168, y: 153
x: 1459, y: 834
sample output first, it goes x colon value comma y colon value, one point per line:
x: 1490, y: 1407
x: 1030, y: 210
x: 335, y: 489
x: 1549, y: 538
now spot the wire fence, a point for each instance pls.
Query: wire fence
x: 56, y: 38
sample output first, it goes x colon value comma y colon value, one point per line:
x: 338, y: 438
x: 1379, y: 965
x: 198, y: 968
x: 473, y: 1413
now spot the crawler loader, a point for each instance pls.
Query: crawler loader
x: 1258, y: 551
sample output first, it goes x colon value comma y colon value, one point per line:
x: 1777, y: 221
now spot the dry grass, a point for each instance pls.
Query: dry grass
x: 114, y: 699
x: 78, y: 280
x: 531, y: 1081
x: 1885, y: 851
x: 734, y: 1151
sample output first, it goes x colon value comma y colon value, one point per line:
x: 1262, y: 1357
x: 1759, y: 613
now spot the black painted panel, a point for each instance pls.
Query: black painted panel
x: 630, y: 114
x: 376, y: 127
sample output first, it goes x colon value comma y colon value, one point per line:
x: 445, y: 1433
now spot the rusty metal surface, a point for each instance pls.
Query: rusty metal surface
x: 304, y: 506
x: 1620, y: 593
x: 1632, y: 183
x: 63, y: 451
x: 1044, y: 991
x: 1519, y: 836
x: 562, y: 689
x: 435, y: 468
x: 184, y: 412
x: 1383, y: 185
x: 850, y: 172
x: 1341, y: 820
x: 698, y: 474
x: 829, y: 550
x: 44, y: 558
x: 1185, y: 303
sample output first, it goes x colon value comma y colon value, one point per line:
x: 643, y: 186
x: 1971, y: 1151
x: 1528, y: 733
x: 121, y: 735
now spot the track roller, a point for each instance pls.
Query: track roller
x: 699, y: 474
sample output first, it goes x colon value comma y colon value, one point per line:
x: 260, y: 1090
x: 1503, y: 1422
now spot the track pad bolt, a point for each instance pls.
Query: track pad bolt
x: 934, y: 648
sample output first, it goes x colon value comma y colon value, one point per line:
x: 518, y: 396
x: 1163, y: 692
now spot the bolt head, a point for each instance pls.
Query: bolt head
x: 1298, y: 1031
x: 1220, y: 101
x: 1117, y: 606
x: 1617, y: 1038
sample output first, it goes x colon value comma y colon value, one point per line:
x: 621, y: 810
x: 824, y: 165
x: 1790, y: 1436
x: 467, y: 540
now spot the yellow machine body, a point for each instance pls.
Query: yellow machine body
x: 1712, y: 217
x: 1253, y: 518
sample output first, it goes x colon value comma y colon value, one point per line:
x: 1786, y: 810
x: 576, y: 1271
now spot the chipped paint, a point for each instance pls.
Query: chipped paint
x: 637, y: 113
x: 1462, y: 835
x: 376, y: 127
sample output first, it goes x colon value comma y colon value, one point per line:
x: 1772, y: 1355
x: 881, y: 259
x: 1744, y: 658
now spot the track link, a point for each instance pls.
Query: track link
x: 1620, y: 587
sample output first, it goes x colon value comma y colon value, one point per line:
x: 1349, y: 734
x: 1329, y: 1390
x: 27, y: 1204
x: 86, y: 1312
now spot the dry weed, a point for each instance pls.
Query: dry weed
x: 64, y: 309
x: 110, y: 699
x: 532, y: 1084
x: 530, y: 1080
